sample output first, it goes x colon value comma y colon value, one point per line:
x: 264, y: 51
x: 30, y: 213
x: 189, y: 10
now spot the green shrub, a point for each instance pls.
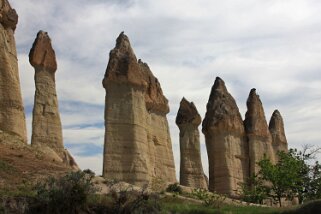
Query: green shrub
x: 25, y: 189
x: 125, y: 199
x: 67, y: 194
x: 307, y: 208
x: 5, y: 166
x: 200, y: 194
x: 254, y: 190
x: 174, y: 188
x: 90, y: 172
x: 209, y: 199
x: 157, y: 184
x: 214, y: 200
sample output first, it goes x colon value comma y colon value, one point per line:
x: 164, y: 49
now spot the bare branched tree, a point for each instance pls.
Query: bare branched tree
x: 310, y: 152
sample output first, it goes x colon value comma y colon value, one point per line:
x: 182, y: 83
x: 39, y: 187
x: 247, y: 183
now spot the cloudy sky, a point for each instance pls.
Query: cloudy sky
x: 271, y: 45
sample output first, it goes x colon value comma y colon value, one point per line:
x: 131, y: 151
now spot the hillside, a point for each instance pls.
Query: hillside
x: 21, y: 163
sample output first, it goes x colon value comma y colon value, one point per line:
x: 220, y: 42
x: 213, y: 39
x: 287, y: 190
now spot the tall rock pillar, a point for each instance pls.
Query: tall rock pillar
x: 191, y: 169
x: 259, y: 137
x: 225, y: 142
x: 12, y: 116
x: 46, y: 123
x: 276, y: 127
x: 137, y: 144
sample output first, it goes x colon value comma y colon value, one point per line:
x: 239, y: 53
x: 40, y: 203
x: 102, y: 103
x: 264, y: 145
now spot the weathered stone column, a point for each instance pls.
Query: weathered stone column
x: 191, y: 169
x: 225, y: 142
x: 46, y: 123
x: 12, y: 116
x: 276, y: 127
x: 137, y: 141
x: 259, y: 137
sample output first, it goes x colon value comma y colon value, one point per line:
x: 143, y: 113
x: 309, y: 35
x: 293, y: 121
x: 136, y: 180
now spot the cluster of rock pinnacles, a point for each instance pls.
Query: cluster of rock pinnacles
x: 137, y: 141
x: 137, y: 147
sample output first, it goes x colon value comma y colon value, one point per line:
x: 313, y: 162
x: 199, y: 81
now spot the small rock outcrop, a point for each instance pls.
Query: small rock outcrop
x: 258, y: 134
x: 137, y: 145
x: 46, y: 123
x: 12, y: 116
x: 191, y: 169
x: 276, y: 127
x: 225, y: 142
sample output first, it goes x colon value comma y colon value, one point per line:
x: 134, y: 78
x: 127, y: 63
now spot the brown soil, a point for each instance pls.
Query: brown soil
x: 21, y: 163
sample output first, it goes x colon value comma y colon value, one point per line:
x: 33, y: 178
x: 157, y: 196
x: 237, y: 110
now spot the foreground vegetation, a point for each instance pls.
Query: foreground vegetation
x: 75, y: 193
x: 294, y: 176
x: 171, y: 205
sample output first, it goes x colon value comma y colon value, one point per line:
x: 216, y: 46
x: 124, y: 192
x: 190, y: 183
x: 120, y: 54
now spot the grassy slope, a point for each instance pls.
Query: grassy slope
x: 175, y: 205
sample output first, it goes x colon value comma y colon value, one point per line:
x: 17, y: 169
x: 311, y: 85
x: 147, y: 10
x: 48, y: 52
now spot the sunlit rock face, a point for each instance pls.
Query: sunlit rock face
x: 226, y: 142
x: 258, y: 134
x: 46, y: 123
x: 191, y: 169
x: 137, y: 145
x: 12, y: 116
x: 276, y: 127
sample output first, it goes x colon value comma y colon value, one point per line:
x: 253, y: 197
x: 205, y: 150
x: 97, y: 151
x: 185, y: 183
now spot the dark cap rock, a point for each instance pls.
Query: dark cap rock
x: 42, y: 55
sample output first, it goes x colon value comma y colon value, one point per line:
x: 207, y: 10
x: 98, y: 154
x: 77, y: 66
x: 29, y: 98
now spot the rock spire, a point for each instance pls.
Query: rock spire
x: 259, y: 137
x: 137, y: 145
x: 276, y: 127
x: 191, y: 169
x: 12, y: 116
x: 46, y: 123
x: 225, y: 141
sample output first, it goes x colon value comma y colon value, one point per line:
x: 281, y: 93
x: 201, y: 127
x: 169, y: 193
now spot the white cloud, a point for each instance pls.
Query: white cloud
x: 270, y: 45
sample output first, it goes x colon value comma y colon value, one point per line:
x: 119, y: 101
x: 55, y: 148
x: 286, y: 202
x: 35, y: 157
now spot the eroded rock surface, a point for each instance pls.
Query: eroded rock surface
x: 137, y: 142
x: 225, y: 142
x: 276, y: 127
x: 191, y: 169
x: 46, y: 123
x: 258, y: 134
x: 12, y: 116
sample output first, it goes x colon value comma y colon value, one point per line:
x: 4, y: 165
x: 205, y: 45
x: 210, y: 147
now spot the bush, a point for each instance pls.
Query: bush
x: 254, y: 191
x: 209, y: 199
x: 67, y: 194
x: 6, y: 167
x: 90, y: 172
x: 22, y: 190
x: 175, y: 188
x: 157, y: 184
x: 127, y: 200
x: 311, y: 207
x: 200, y: 194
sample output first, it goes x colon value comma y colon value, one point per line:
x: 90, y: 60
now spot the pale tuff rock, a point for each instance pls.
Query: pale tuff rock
x: 276, y: 127
x: 12, y: 116
x: 191, y: 169
x: 259, y: 137
x: 46, y: 123
x: 137, y: 146
x: 225, y: 142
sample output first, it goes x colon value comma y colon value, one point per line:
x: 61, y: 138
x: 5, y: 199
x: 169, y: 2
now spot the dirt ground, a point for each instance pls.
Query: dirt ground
x: 21, y: 163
